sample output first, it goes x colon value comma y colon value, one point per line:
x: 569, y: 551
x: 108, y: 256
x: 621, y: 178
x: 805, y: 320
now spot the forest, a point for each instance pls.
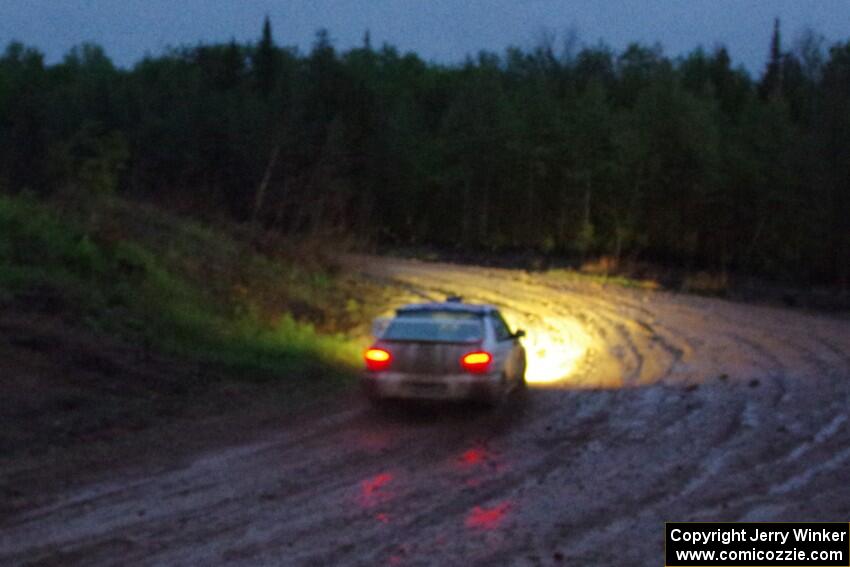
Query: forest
x: 567, y: 150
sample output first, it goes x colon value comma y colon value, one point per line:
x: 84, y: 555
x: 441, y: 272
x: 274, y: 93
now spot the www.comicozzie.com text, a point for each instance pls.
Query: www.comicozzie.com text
x: 745, y: 534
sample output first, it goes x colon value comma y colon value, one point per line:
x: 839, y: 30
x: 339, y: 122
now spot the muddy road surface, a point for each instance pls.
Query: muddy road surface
x: 645, y: 407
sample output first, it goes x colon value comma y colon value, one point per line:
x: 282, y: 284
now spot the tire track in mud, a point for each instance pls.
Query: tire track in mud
x: 673, y: 408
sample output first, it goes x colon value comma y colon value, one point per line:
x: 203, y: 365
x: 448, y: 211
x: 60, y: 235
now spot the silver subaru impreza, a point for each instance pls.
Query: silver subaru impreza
x: 445, y: 351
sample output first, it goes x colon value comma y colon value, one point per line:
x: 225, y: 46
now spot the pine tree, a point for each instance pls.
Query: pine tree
x: 265, y: 61
x: 771, y: 83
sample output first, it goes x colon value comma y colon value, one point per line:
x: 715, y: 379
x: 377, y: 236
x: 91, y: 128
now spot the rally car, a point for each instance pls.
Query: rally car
x: 445, y: 351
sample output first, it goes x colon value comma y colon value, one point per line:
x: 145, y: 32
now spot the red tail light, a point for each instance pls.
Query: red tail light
x: 377, y: 359
x: 476, y: 362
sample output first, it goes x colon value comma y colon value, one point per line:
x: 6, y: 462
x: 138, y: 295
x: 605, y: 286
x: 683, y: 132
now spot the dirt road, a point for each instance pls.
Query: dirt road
x: 646, y: 407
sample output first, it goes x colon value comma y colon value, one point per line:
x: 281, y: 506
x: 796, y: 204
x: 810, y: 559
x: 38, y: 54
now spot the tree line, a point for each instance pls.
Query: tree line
x: 576, y: 151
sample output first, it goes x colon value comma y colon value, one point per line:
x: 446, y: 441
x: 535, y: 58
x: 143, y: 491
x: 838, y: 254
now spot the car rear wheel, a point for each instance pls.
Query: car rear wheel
x: 521, y: 383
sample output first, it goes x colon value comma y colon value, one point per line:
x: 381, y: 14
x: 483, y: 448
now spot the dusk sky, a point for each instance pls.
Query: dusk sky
x: 439, y: 30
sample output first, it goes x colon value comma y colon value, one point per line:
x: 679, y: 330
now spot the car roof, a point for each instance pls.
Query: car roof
x: 455, y: 306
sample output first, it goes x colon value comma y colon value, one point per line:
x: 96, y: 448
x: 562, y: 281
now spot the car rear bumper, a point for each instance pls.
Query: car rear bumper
x: 397, y: 385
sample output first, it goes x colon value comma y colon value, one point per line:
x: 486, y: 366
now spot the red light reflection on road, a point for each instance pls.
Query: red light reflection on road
x: 473, y: 461
x: 480, y: 518
x: 372, y: 490
x: 473, y: 456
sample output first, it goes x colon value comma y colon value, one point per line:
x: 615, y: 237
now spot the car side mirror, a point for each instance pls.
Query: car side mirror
x: 519, y: 334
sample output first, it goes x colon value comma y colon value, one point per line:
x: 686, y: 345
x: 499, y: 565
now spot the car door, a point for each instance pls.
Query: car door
x: 507, y: 344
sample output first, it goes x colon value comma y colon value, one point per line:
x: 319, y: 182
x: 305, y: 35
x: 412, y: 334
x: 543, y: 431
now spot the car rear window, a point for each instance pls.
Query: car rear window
x: 451, y: 329
x: 437, y: 314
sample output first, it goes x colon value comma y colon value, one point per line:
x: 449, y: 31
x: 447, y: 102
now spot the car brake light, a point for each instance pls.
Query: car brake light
x: 377, y: 359
x: 476, y: 362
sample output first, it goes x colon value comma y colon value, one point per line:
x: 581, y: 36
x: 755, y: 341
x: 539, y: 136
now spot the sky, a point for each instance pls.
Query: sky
x: 438, y: 30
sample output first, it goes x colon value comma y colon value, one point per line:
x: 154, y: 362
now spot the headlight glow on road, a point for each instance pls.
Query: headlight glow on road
x: 554, y: 349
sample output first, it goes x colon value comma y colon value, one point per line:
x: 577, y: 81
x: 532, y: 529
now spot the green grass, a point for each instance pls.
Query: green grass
x: 173, y: 285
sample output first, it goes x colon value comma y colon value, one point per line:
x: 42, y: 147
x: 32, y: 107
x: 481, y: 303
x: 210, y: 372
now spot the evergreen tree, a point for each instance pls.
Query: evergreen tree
x: 630, y: 154
x: 771, y: 82
x: 265, y: 61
